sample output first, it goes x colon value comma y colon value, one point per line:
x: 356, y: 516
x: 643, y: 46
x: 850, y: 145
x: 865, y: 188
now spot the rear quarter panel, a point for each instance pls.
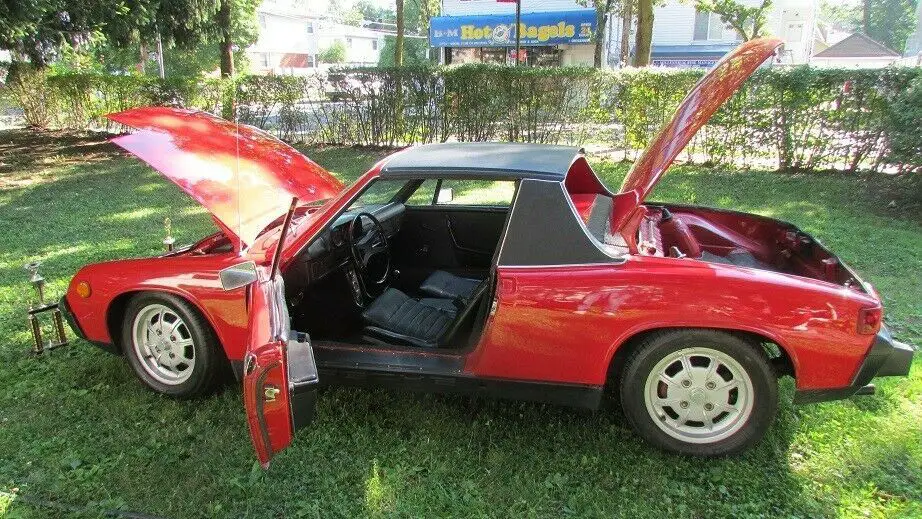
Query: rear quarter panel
x: 194, y: 278
x: 564, y: 324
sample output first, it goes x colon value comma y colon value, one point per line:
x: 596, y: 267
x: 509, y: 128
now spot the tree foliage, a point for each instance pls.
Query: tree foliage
x: 890, y: 22
x: 375, y: 13
x: 335, y: 53
x: 42, y: 30
x: 748, y: 21
x: 415, y: 51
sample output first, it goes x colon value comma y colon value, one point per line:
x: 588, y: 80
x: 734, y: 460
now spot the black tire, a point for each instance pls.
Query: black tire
x: 658, y: 346
x: 206, y: 369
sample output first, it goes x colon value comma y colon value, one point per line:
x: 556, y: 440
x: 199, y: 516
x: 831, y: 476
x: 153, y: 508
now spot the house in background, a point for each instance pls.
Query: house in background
x: 684, y: 37
x: 828, y: 34
x: 856, y: 51
x: 291, y: 37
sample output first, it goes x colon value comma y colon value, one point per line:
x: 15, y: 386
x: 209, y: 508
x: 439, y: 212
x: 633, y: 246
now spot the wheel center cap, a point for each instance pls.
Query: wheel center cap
x: 697, y: 396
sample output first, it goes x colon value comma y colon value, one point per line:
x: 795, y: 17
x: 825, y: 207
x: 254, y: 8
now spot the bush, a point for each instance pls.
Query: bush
x: 793, y: 118
x: 904, y: 115
x: 28, y: 88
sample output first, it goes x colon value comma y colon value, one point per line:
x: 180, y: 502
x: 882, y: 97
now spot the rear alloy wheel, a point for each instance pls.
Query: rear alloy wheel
x: 169, y: 345
x: 700, y: 392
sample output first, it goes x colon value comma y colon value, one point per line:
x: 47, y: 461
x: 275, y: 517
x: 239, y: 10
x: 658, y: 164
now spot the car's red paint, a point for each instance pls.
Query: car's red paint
x: 561, y: 324
x: 243, y: 176
x: 269, y: 419
x: 698, y: 106
x: 192, y: 277
x: 564, y: 324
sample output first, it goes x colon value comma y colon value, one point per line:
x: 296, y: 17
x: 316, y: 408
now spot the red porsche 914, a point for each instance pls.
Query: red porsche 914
x: 504, y: 270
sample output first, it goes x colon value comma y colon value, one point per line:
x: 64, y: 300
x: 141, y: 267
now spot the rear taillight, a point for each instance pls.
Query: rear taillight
x: 869, y: 320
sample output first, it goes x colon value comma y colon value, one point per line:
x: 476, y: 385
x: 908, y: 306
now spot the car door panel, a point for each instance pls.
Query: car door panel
x: 449, y: 238
x: 280, y: 376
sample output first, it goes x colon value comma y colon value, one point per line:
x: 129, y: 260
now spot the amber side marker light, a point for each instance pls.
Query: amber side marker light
x: 869, y: 320
x: 83, y: 289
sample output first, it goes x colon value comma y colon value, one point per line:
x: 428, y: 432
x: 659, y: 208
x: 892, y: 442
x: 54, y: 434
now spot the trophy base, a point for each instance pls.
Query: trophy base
x: 39, y: 345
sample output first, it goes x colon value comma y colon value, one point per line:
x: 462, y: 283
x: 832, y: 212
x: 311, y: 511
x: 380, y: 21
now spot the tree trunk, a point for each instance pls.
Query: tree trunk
x: 601, y: 19
x: 866, y: 16
x: 227, y: 43
x: 644, y: 38
x: 142, y: 59
x: 627, y: 16
x: 398, y: 51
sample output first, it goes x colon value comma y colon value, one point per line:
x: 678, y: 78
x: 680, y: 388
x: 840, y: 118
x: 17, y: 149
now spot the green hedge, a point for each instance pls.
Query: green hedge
x: 789, y: 118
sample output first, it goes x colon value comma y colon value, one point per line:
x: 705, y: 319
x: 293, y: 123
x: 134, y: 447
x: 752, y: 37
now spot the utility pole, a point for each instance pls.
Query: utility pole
x: 398, y: 43
x: 518, y: 35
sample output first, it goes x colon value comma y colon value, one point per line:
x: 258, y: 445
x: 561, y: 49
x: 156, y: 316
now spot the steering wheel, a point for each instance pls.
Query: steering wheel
x: 366, y: 246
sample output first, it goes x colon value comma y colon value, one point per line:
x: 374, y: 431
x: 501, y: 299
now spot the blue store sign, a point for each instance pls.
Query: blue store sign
x: 499, y: 30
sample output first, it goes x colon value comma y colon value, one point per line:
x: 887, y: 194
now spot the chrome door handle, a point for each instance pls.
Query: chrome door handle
x: 270, y: 392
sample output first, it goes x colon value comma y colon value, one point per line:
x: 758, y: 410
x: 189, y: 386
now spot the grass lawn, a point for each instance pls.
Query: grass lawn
x: 77, y: 429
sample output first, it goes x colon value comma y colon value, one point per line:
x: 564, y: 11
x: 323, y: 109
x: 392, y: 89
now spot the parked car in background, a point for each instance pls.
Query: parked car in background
x: 505, y: 270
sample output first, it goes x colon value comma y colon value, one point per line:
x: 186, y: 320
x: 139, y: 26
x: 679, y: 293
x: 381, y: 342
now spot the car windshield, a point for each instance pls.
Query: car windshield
x: 379, y: 192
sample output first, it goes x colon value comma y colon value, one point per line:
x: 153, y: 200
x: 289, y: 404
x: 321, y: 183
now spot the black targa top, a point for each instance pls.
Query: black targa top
x: 483, y: 160
x: 544, y: 228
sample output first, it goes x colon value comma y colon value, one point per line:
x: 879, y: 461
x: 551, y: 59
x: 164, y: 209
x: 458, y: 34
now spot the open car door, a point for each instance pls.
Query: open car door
x: 279, y: 372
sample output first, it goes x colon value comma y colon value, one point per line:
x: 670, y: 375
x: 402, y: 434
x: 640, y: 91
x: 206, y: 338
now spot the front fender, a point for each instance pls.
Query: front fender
x: 194, y: 278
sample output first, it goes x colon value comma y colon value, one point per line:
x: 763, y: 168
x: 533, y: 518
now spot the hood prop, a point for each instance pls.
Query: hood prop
x: 277, y: 254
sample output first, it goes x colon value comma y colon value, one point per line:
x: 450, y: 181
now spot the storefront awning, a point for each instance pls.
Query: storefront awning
x: 546, y: 28
x: 689, y: 56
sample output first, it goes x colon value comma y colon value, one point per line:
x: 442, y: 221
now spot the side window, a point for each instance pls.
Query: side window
x: 424, y: 193
x: 485, y: 193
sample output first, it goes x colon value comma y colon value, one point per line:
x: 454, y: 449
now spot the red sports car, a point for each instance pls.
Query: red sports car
x: 504, y: 270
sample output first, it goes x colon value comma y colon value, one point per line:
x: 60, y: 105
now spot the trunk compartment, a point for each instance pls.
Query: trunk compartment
x: 776, y: 245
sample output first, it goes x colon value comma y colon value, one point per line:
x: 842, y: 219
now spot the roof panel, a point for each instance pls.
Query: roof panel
x: 483, y: 159
x: 857, y: 46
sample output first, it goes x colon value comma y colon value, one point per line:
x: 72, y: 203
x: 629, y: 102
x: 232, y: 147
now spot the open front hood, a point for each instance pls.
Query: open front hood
x: 243, y: 176
x: 718, y: 85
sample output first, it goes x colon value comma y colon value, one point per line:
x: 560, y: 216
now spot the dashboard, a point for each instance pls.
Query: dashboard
x: 329, y: 251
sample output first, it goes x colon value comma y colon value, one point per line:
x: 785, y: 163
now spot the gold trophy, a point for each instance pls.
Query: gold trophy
x: 38, y: 282
x: 169, y: 241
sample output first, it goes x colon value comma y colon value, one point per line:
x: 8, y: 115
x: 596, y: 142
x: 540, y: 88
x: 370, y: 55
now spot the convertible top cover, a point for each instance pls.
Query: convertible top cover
x: 505, y: 161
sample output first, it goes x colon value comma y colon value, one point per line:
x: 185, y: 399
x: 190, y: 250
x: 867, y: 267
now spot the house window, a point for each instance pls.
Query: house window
x: 349, y: 42
x: 262, y: 21
x: 374, y: 44
x: 263, y: 59
x: 708, y: 26
x: 310, y: 27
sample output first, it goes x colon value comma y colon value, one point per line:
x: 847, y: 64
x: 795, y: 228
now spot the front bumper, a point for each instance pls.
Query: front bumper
x: 887, y: 358
x: 69, y: 317
x: 75, y: 326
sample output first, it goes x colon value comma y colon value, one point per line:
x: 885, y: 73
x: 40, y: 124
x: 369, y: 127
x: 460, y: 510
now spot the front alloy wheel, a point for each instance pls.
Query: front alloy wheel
x: 164, y: 344
x: 701, y: 392
x: 170, y: 346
